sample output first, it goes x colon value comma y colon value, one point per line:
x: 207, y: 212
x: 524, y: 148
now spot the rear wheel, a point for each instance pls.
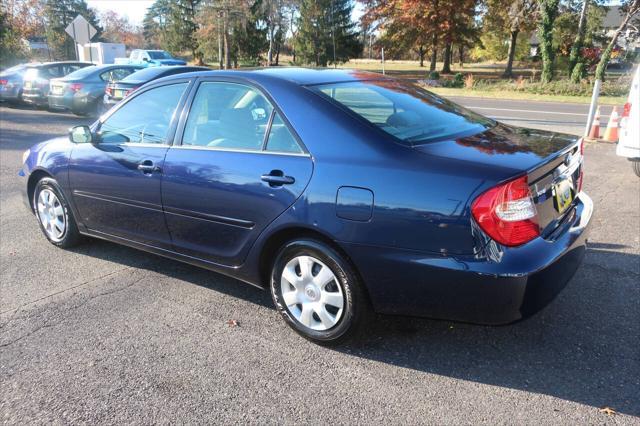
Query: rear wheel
x: 54, y: 215
x: 635, y: 163
x: 318, y: 293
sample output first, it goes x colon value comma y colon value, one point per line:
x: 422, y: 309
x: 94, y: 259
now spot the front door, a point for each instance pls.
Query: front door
x: 238, y: 168
x: 116, y: 181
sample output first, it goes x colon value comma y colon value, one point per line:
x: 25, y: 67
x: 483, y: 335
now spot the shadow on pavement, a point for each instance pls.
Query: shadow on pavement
x: 583, y: 347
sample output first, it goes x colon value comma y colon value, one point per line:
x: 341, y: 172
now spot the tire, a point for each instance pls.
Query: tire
x: 54, y: 214
x: 326, y: 306
x: 636, y: 167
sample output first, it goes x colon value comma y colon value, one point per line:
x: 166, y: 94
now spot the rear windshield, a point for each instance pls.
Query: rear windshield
x: 405, y: 111
x: 81, y: 73
x: 145, y: 74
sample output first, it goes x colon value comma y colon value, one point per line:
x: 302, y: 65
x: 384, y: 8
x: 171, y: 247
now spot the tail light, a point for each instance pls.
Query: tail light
x: 131, y: 90
x: 75, y: 87
x: 3, y: 82
x: 507, y: 213
x: 109, y: 91
x: 626, y: 112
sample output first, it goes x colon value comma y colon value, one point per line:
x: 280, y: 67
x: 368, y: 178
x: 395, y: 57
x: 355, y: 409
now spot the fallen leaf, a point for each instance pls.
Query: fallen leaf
x: 233, y: 323
x: 608, y: 411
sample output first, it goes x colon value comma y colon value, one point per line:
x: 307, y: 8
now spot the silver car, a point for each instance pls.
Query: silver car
x: 11, y: 81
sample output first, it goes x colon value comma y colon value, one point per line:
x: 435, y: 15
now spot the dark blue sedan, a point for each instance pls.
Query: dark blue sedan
x: 344, y: 193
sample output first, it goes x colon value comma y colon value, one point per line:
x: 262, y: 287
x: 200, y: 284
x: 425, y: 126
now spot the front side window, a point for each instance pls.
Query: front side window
x: 411, y: 114
x: 145, y: 118
x: 227, y: 116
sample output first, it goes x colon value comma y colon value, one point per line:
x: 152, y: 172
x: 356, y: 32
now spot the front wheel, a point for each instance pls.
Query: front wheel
x: 318, y: 293
x: 54, y: 214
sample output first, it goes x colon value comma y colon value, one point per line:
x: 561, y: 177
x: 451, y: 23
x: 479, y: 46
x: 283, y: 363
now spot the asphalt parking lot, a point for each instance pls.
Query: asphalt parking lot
x: 107, y: 334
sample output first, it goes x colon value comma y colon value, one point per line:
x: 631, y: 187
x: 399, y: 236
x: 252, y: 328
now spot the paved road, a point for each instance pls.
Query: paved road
x: 107, y: 334
x: 555, y: 116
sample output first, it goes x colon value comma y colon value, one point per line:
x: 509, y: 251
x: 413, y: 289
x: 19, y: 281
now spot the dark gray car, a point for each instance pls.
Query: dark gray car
x: 81, y: 92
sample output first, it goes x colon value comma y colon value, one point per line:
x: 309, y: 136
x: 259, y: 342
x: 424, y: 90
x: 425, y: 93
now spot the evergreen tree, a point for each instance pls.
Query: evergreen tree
x: 155, y: 23
x: 59, y: 14
x: 326, y: 33
x: 182, y: 27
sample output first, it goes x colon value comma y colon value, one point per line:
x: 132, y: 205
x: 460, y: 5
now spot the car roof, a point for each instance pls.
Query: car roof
x: 300, y: 76
x: 45, y: 64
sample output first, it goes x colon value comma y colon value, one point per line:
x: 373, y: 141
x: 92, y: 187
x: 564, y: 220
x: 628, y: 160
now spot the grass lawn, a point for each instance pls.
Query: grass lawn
x: 481, y: 71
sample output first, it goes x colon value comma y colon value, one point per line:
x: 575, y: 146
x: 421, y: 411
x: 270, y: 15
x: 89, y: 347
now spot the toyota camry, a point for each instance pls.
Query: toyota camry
x: 343, y: 193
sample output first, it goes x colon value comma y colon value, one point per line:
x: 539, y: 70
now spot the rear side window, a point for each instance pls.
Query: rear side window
x: 407, y: 112
x: 145, y: 118
x: 280, y: 137
x: 227, y: 116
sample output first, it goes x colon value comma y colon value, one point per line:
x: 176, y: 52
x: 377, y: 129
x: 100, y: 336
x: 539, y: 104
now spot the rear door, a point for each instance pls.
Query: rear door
x: 238, y: 167
x: 116, y: 182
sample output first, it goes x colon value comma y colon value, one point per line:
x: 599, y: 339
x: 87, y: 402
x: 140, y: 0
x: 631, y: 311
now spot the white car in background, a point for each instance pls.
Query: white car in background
x: 629, y: 142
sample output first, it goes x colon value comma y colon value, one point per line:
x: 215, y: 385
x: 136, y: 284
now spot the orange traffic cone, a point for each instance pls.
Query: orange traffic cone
x: 611, y: 134
x: 594, y: 133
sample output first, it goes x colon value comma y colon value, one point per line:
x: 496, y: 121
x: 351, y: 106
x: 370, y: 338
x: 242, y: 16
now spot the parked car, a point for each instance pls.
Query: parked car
x: 81, y: 92
x: 629, y: 142
x: 11, y: 83
x: 35, y: 86
x: 342, y: 192
x: 150, y: 58
x: 117, y: 90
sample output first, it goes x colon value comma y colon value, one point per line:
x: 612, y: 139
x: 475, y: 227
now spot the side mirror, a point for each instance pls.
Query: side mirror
x: 80, y: 134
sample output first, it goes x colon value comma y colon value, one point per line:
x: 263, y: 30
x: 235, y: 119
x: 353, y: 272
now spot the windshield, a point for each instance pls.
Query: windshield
x: 159, y: 54
x: 411, y: 114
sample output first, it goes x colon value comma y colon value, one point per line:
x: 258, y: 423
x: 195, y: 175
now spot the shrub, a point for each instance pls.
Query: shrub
x: 468, y: 81
x: 434, y: 75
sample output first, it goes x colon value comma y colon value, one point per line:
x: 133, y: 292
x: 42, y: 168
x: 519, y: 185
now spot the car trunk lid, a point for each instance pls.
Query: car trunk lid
x: 551, y: 161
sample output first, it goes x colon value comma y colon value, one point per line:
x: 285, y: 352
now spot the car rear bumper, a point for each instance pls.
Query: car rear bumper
x: 9, y: 93
x: 517, y: 283
x: 35, y: 98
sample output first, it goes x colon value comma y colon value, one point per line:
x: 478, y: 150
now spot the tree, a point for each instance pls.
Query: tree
x: 326, y: 33
x: 182, y: 27
x: 155, y: 24
x: 631, y: 9
x: 548, y: 14
x: 521, y: 14
x: 274, y: 13
x: 456, y: 18
x: 58, y: 15
x: 118, y: 29
x: 578, y: 43
x: 11, y: 46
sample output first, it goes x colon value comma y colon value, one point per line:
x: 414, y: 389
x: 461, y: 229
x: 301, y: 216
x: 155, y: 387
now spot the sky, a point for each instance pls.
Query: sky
x: 135, y: 9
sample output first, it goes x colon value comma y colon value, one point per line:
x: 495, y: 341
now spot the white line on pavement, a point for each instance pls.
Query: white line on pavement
x: 531, y: 111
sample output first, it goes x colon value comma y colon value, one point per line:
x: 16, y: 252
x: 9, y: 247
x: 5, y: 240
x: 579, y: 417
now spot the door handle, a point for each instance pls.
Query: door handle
x: 147, y: 167
x: 277, y: 178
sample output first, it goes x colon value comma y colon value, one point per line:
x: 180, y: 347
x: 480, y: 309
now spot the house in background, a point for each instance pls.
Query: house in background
x: 38, y: 48
x: 628, y: 41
